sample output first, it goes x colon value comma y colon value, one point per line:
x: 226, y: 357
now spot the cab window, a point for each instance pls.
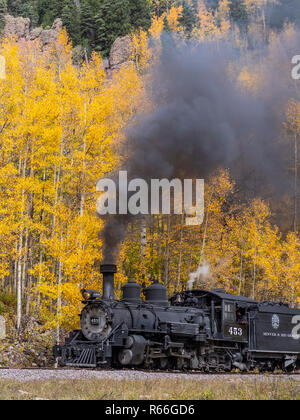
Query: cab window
x: 229, y: 312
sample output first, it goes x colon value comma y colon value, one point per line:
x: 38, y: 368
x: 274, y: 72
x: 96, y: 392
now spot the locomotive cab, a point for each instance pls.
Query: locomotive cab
x: 235, y: 321
x: 228, y: 313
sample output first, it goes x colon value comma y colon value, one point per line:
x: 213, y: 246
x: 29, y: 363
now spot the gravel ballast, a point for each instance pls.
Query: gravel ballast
x: 24, y: 375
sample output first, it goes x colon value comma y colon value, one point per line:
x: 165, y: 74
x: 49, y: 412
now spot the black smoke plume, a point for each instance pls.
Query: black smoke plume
x: 203, y: 120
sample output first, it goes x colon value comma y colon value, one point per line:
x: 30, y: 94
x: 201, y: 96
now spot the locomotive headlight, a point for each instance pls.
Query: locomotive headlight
x: 90, y: 294
x: 86, y: 295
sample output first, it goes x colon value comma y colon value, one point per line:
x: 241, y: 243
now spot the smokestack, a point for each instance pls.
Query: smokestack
x: 108, y: 271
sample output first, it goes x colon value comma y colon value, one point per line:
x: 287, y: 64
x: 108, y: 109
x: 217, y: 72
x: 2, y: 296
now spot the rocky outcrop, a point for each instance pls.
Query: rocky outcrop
x: 20, y: 28
x: 35, y: 33
x: 121, y: 53
x: 51, y: 35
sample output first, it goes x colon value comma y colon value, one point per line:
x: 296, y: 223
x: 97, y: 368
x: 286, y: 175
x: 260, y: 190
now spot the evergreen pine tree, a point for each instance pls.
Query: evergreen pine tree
x: 238, y: 14
x: 71, y: 19
x: 89, y: 10
x: 24, y: 8
x: 14, y: 6
x: 189, y: 15
x: 3, y: 12
x: 49, y: 10
x: 140, y: 13
x: 3, y: 7
x: 113, y: 21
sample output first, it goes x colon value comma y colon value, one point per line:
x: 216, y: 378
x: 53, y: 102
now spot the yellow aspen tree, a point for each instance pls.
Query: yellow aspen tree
x: 257, y: 10
x: 249, y: 80
x: 155, y: 33
x: 223, y: 18
x: 157, y: 27
x: 92, y: 114
x: 208, y: 29
x: 140, y: 50
x: 173, y: 17
x: 290, y: 279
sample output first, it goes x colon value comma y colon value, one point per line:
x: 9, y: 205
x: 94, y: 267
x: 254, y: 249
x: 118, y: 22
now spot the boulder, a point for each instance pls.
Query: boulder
x: 22, y: 27
x: 57, y: 25
x: 120, y: 52
x: 35, y: 33
x: 50, y: 35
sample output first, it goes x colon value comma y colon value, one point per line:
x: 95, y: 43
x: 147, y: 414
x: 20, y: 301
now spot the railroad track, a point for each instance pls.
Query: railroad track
x: 149, y: 371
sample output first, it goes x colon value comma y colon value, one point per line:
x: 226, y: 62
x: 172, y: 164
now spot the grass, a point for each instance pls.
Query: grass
x: 167, y: 389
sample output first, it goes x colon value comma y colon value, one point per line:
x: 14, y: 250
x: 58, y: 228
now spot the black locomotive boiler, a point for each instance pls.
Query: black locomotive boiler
x: 196, y: 330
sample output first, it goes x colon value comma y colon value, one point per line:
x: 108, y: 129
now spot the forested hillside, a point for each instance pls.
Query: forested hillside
x: 95, y: 24
x: 62, y: 129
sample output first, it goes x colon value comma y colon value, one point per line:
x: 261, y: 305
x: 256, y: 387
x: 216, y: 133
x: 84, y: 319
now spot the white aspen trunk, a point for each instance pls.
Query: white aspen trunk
x: 241, y: 273
x: 82, y: 198
x: 19, y: 275
x: 56, y: 184
x: 167, y: 252
x: 58, y: 306
x: 38, y: 306
x: 28, y: 244
x: 55, y: 199
x: 16, y: 273
x: 254, y: 271
x: 158, y: 242
x: 29, y: 278
x: 205, y: 231
x: 19, y: 284
x: 24, y: 262
x: 264, y: 23
x: 58, y: 310
x: 143, y: 244
x: 82, y: 201
x: 86, y: 57
x: 296, y: 186
x: 19, y: 264
x: 180, y: 254
x: 16, y: 267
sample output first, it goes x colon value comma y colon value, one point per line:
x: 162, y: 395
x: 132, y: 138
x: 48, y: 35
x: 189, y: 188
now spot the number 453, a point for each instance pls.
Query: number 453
x: 296, y: 329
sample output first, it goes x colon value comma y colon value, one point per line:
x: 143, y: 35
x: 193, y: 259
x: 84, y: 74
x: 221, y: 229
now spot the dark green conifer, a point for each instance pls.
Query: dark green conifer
x: 113, y: 21
x: 71, y: 19
x: 3, y: 12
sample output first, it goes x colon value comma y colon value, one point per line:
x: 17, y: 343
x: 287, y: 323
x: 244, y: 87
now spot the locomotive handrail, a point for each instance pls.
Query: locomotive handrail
x: 112, y: 332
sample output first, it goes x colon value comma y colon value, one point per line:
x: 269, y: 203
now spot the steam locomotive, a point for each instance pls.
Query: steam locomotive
x: 193, y: 330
